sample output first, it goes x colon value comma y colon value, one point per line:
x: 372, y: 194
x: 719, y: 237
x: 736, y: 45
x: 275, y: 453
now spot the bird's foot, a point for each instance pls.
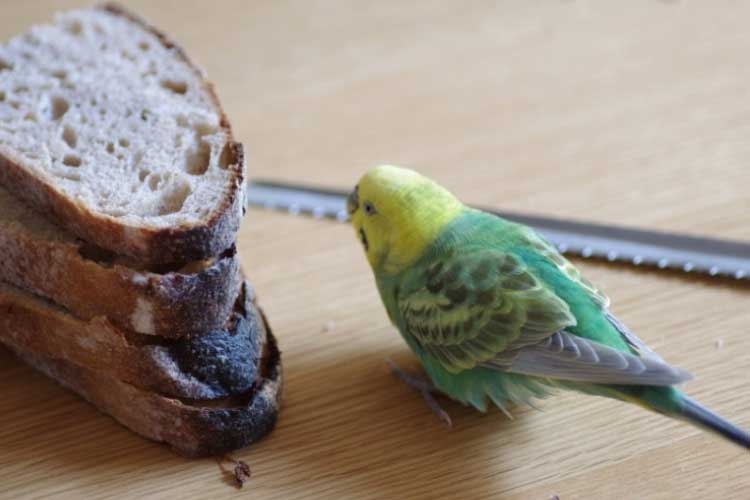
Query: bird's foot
x: 425, y: 388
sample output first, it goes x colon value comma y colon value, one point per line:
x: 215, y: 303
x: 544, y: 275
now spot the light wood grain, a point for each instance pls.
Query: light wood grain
x: 634, y: 113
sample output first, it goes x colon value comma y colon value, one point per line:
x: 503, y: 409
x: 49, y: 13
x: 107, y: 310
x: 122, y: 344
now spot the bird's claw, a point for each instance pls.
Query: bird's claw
x: 413, y: 382
x: 436, y: 408
x: 425, y: 388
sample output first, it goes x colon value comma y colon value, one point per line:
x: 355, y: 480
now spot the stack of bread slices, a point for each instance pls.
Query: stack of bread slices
x: 121, y: 193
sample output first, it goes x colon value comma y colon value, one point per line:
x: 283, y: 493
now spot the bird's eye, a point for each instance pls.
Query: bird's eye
x: 369, y: 208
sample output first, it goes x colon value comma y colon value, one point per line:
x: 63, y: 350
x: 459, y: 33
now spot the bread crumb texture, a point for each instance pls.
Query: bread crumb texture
x: 143, y: 317
x: 100, y: 108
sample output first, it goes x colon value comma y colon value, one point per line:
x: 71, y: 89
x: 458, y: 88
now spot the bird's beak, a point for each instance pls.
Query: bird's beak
x: 352, y: 202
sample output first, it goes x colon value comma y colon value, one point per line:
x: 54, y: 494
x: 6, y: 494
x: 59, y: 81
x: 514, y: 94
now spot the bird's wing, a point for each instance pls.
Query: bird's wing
x: 566, y: 356
x: 487, y: 308
x: 595, y: 294
x: 535, y: 241
x: 632, y: 339
x: 477, y: 304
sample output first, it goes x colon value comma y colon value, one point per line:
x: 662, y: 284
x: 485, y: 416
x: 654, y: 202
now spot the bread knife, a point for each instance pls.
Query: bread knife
x: 638, y: 247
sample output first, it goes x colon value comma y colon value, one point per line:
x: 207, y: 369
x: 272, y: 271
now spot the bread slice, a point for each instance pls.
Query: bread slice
x: 192, y: 428
x: 107, y: 128
x: 218, y: 364
x: 42, y: 258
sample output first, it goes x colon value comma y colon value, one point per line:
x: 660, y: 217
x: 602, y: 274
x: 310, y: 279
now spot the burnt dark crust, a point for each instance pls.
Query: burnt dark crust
x: 234, y: 428
x: 193, y: 428
x: 225, y: 361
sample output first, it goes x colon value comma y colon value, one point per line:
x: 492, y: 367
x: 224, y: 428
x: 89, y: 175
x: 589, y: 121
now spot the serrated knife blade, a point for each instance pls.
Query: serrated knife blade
x: 639, y: 247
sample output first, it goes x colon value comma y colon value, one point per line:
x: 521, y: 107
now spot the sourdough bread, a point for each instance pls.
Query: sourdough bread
x: 191, y: 428
x: 217, y: 364
x: 41, y: 258
x: 108, y: 129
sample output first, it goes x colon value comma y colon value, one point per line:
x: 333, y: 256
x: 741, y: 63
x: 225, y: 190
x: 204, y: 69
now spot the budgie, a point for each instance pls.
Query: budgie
x: 495, y: 314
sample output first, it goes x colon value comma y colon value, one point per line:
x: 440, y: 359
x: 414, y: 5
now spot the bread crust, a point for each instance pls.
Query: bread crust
x: 173, y: 304
x: 193, y: 429
x: 222, y: 363
x: 149, y: 246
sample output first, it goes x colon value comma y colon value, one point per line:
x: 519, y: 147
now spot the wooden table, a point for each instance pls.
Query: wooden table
x: 635, y: 115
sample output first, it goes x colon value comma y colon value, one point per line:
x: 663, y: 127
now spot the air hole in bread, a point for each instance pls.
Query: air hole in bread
x: 145, y: 114
x: 60, y: 74
x: 21, y: 89
x: 2, y: 96
x: 124, y: 143
x: 75, y: 28
x: 182, y: 121
x: 72, y: 161
x: 144, y: 46
x: 197, y: 160
x: 110, y: 148
x: 30, y: 116
x: 175, y: 86
x: 31, y: 39
x: 127, y: 55
x: 15, y: 104
x: 142, y: 174
x: 154, y: 181
x: 98, y: 29
x: 70, y: 137
x: 175, y: 199
x: 59, y: 107
x: 206, y: 129
x: 5, y: 65
x: 226, y: 156
x: 71, y: 177
x: 103, y: 47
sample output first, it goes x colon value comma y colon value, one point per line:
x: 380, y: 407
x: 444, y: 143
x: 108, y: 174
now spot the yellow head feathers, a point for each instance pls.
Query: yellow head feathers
x: 397, y: 213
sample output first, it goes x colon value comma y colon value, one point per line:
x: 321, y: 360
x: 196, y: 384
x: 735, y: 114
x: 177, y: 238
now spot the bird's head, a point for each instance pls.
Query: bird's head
x: 397, y: 213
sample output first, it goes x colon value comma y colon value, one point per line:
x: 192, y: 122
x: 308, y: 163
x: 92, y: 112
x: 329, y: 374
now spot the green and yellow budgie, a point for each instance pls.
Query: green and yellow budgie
x: 495, y: 313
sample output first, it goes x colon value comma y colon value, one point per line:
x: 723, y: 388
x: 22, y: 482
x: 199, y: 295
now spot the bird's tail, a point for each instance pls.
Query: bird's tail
x: 699, y: 415
x: 671, y: 402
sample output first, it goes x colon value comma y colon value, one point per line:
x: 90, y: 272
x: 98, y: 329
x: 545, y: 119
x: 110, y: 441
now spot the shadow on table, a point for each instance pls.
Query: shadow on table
x: 349, y: 427
x: 353, y: 429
